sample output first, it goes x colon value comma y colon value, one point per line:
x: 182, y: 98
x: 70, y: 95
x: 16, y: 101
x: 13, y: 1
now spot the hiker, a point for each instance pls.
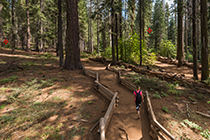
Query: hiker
x: 138, y: 100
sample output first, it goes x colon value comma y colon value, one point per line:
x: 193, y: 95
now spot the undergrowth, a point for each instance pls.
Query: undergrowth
x: 8, y: 80
x: 195, y: 127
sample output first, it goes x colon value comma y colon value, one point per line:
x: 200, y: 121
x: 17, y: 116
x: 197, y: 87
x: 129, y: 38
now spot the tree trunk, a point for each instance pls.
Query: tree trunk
x: 198, y: 32
x: 116, y: 36
x: 72, y: 60
x: 98, y: 39
x: 189, y: 24
x: 1, y: 34
x: 204, y: 41
x: 112, y: 31
x: 132, y: 15
x: 195, y: 74
x: 175, y: 16
x: 28, y: 27
x: 180, y: 37
x: 104, y: 36
x: 41, y: 28
x: 143, y: 23
x: 140, y: 27
x: 186, y: 30
x: 120, y: 28
x: 13, y: 26
x: 60, y: 33
x: 90, y: 34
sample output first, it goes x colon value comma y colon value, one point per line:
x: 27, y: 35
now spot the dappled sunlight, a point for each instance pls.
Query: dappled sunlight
x: 17, y: 55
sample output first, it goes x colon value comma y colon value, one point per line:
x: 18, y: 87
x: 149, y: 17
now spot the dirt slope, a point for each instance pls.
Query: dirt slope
x: 125, y: 116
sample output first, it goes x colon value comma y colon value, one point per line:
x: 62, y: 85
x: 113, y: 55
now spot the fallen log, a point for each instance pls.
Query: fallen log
x: 203, y: 114
x: 100, y: 59
x: 175, y: 62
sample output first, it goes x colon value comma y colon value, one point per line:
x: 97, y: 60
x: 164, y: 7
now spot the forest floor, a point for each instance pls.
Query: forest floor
x: 38, y: 100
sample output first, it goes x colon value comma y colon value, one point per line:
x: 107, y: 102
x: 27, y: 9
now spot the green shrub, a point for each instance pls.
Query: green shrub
x: 205, y: 134
x: 164, y: 94
x: 172, y: 88
x: 131, y: 47
x: 107, y: 53
x: 156, y: 95
x: 192, y: 125
x: 207, y: 81
x: 165, y: 109
x: 9, y: 79
x: 167, y: 49
x: 189, y: 57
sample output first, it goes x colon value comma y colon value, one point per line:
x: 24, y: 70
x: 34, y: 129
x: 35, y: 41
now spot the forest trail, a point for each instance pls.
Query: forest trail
x: 124, y: 116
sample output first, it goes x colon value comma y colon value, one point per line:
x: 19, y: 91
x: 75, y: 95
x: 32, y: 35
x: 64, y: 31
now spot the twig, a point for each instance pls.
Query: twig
x: 94, y: 126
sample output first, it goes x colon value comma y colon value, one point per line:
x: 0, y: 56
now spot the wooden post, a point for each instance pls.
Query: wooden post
x: 97, y: 76
x: 102, y: 129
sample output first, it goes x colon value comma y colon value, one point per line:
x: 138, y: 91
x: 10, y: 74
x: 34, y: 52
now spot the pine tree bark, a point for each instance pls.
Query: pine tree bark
x: 143, y: 22
x: 120, y: 28
x: 132, y: 14
x: 72, y: 59
x: 112, y: 31
x: 41, y: 27
x: 104, y: 36
x: 186, y: 30
x: 195, y: 73
x: 140, y: 33
x: 13, y: 26
x: 198, y: 32
x: 180, y: 37
x: 204, y: 41
x: 116, y: 36
x: 90, y: 34
x: 60, y: 33
x: 98, y: 39
x: 1, y: 20
x: 28, y: 27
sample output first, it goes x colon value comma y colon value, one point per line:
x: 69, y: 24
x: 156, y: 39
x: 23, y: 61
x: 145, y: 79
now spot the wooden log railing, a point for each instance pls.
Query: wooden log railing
x: 160, y: 130
x: 90, y: 73
x: 114, y: 100
x: 103, y: 90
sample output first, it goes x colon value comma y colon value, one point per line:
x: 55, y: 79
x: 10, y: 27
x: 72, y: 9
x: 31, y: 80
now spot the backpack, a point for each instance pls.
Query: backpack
x: 138, y: 97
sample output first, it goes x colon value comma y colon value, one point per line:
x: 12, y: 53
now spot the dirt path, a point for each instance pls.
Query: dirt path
x: 125, y: 116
